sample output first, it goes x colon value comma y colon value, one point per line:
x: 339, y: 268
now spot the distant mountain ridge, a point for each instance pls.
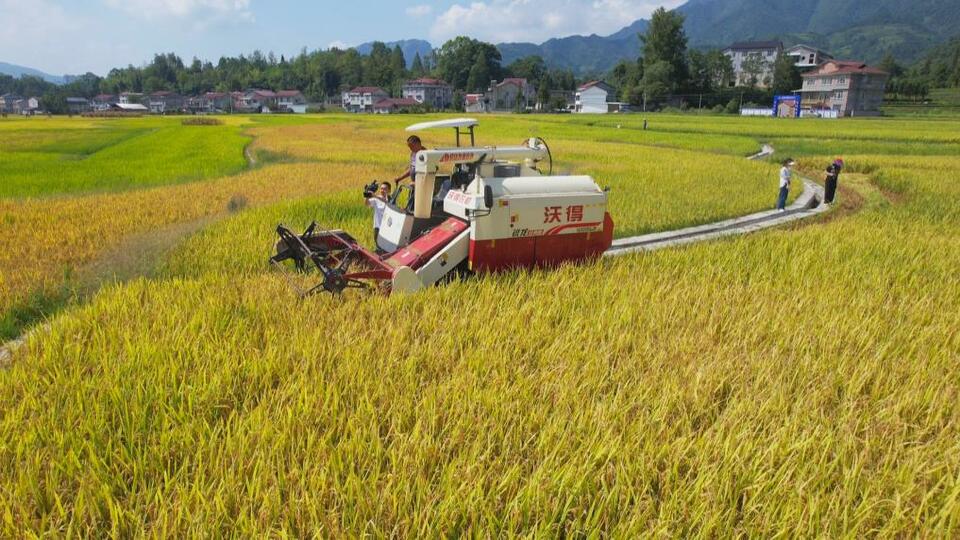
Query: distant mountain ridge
x: 19, y: 71
x: 410, y: 48
x: 855, y: 29
x: 851, y: 29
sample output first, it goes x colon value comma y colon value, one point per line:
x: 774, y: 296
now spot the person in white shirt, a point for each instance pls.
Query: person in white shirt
x: 379, y: 203
x: 786, y: 174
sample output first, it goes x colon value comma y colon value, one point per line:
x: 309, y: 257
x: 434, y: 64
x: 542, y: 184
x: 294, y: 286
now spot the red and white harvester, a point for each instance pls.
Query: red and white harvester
x: 470, y: 209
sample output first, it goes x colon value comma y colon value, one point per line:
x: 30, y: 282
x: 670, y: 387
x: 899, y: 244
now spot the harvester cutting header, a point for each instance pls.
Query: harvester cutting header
x: 470, y: 209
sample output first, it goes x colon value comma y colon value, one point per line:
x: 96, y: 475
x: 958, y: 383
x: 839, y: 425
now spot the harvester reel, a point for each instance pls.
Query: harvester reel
x: 333, y: 264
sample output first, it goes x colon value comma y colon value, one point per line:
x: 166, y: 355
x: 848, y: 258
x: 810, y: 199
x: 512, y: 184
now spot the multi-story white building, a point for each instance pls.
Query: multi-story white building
x: 753, y: 62
x: 363, y: 98
x: 848, y: 88
x: 807, y: 57
x: 594, y: 98
x: 431, y: 92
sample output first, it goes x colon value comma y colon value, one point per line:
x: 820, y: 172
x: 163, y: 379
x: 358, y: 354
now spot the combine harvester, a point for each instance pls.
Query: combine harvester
x: 492, y: 209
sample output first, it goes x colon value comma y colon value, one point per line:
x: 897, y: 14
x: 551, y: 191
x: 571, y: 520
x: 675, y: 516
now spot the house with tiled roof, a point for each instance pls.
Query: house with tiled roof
x: 844, y: 87
x: 511, y: 94
x: 291, y: 101
x: 475, y: 103
x: 362, y: 98
x: 393, y: 105
x: 165, y: 101
x: 430, y: 92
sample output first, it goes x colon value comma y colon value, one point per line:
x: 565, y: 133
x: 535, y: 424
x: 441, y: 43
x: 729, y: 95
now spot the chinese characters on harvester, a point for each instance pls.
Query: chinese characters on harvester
x: 554, y: 214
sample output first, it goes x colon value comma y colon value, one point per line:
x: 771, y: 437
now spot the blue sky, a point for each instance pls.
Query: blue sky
x: 95, y: 35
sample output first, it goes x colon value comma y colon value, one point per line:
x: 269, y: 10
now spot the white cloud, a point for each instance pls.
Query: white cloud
x: 337, y: 44
x: 34, y: 34
x: 199, y: 10
x: 419, y: 11
x: 538, y: 20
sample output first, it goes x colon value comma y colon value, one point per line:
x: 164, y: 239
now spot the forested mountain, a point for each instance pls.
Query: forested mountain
x: 866, y: 30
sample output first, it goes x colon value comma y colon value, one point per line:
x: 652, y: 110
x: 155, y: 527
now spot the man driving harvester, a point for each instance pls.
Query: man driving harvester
x: 415, y: 145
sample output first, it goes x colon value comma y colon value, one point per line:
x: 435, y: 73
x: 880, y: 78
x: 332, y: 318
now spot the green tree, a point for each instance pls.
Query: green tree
x: 479, y: 75
x: 543, y: 92
x: 457, y: 58
x: 657, y: 81
x: 720, y: 67
x: 786, y: 76
x: 417, y: 69
x: 665, y: 41
x: 531, y: 68
x: 754, y: 67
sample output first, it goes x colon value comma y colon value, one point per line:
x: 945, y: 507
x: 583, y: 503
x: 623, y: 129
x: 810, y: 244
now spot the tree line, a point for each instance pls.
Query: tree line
x: 467, y: 64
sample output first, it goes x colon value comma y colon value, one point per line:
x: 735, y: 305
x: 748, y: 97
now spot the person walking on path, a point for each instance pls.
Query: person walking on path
x: 786, y: 174
x: 833, y: 176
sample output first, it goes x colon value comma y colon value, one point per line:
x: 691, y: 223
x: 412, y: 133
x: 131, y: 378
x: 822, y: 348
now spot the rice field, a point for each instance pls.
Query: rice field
x: 796, y: 382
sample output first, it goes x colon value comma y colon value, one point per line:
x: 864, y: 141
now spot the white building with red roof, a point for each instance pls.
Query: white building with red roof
x: 847, y: 88
x: 594, y: 97
x: 431, y: 92
x: 363, y: 98
x: 291, y: 100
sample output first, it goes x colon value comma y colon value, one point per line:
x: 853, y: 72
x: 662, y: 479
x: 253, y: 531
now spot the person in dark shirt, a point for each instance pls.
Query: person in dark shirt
x: 833, y: 176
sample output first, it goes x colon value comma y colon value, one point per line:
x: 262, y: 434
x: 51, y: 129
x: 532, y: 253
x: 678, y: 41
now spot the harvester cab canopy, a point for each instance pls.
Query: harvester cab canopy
x: 461, y: 126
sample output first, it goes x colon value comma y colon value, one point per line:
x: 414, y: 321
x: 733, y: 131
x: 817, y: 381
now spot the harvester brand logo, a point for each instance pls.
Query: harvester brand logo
x: 457, y: 156
x: 523, y: 233
x: 460, y: 197
x: 555, y: 214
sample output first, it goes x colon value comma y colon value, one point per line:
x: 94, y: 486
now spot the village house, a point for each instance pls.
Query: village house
x: 393, y: 105
x: 213, y: 102
x: 102, y: 102
x: 129, y: 98
x: 78, y: 105
x: 26, y: 106
x: 362, y: 98
x: 431, y: 92
x: 594, y: 97
x: 264, y: 101
x: 806, y: 57
x: 511, y: 94
x: 475, y: 103
x: 130, y: 108
x: 753, y: 62
x: 164, y: 102
x: 847, y: 88
x: 291, y: 101
x: 7, y: 101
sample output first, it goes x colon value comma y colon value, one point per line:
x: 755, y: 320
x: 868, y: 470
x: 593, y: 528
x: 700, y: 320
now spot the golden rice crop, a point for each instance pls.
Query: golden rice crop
x: 798, y: 382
